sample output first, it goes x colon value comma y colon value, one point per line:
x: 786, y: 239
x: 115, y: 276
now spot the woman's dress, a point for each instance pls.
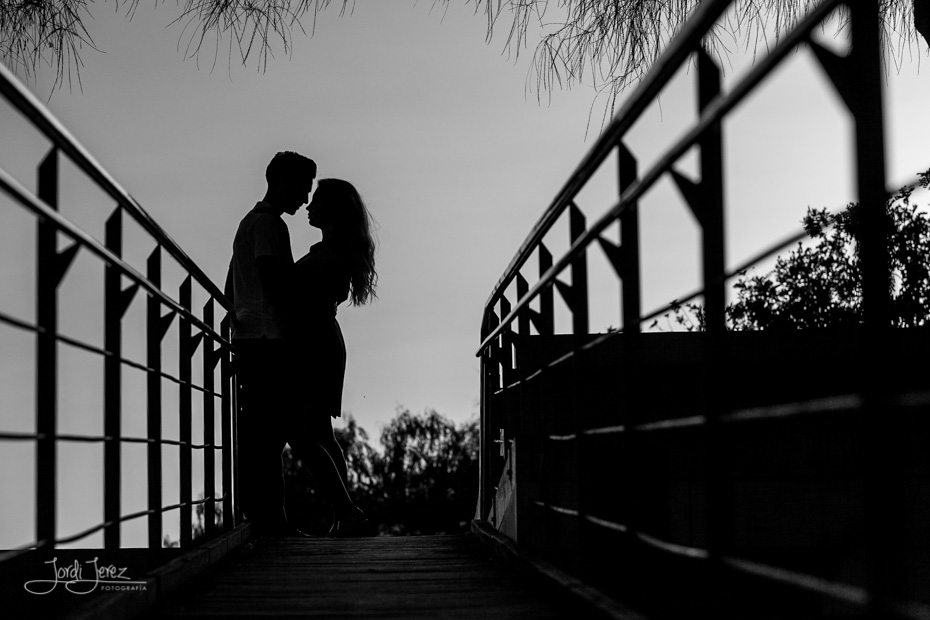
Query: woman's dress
x: 322, y: 284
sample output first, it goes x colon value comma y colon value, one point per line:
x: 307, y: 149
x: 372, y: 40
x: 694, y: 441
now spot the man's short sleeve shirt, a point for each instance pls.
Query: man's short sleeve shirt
x: 261, y: 232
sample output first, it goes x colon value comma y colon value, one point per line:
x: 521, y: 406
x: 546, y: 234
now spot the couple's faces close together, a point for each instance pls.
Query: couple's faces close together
x: 299, y: 195
x: 296, y: 195
x: 318, y: 209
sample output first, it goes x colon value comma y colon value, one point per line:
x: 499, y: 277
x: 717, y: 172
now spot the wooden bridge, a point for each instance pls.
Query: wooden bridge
x: 602, y: 493
x: 439, y: 576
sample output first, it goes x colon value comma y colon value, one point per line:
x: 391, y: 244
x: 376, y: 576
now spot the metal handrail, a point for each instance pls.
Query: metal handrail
x: 713, y: 114
x: 677, y: 53
x: 20, y: 324
x: 30, y: 201
x: 543, y: 459
x: 13, y: 553
x: 122, y: 283
x: 27, y: 103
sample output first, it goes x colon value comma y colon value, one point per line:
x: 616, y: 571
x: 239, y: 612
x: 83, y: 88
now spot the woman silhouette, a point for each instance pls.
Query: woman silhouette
x: 340, y: 267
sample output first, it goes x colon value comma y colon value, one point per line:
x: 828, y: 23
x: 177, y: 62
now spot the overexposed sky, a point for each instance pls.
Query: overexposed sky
x: 454, y: 155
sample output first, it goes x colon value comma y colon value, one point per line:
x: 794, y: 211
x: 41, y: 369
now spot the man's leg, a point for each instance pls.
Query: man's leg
x: 260, y: 437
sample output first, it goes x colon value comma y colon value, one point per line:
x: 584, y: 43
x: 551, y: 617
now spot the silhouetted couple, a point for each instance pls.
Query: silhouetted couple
x: 290, y: 354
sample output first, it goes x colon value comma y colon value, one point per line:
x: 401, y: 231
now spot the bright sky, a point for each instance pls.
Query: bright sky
x: 454, y: 156
x: 432, y: 125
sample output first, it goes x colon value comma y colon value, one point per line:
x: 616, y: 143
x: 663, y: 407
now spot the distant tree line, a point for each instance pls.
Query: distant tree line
x: 424, y: 480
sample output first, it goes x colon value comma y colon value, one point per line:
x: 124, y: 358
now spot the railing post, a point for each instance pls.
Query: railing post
x: 546, y: 323
x: 719, y: 491
x: 881, y: 427
x: 712, y: 223
x: 705, y: 198
x: 870, y: 165
x: 629, y: 269
x: 525, y: 318
x: 210, y: 358
x: 579, y: 275
x: 490, y: 379
x: 505, y: 353
x: 156, y: 327
x: 858, y: 80
x: 185, y: 355
x: 625, y: 260
x: 48, y: 276
x: 112, y: 391
x: 226, y: 412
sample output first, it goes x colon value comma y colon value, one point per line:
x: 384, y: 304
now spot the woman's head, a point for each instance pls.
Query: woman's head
x: 337, y: 205
x: 338, y: 210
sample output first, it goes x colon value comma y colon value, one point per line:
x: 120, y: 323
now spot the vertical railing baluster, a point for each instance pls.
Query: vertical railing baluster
x: 576, y: 297
x: 490, y: 380
x: 882, y: 427
x: 633, y: 408
x: 185, y: 431
x: 47, y: 279
x: 153, y: 339
x: 226, y: 424
x: 712, y: 225
x: 579, y: 288
x: 523, y: 321
x: 711, y: 207
x: 870, y: 167
x: 629, y: 241
x: 112, y: 391
x: 858, y: 80
x: 546, y: 323
x: 705, y: 198
x: 506, y: 344
x: 580, y: 327
x: 209, y: 439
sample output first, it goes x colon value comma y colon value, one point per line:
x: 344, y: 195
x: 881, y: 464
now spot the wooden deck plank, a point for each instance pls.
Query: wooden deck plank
x: 383, y: 577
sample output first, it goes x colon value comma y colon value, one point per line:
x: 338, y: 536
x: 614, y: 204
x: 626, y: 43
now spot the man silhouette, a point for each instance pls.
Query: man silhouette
x: 258, y: 283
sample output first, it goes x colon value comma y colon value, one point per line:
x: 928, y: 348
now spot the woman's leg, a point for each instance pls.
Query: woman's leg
x: 327, y: 471
x: 328, y: 442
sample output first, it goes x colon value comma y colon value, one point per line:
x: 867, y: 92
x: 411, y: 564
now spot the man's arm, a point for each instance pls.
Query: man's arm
x: 275, y: 275
x: 228, y: 289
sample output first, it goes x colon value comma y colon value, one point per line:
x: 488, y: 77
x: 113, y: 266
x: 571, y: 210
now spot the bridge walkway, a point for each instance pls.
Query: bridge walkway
x: 446, y: 576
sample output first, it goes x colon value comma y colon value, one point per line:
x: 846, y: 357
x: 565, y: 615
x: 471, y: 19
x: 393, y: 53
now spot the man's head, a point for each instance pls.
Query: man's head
x: 290, y: 181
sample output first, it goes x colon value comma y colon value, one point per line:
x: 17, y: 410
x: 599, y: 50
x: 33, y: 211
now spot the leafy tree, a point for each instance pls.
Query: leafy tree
x: 429, y: 473
x: 819, y: 285
x: 611, y: 43
x: 361, y: 458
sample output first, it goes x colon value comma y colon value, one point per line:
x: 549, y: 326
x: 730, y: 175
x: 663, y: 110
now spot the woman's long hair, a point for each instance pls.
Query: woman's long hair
x: 352, y: 229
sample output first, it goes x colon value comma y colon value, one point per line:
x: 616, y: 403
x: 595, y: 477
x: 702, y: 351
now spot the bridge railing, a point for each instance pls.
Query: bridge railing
x: 123, y: 286
x: 576, y: 455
